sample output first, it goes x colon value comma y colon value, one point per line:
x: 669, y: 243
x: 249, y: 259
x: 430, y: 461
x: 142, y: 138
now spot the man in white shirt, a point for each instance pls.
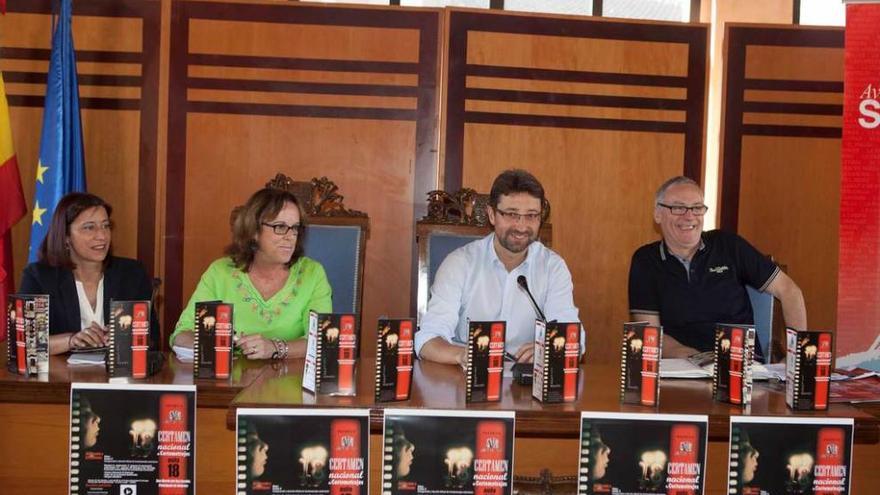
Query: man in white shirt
x: 478, y: 281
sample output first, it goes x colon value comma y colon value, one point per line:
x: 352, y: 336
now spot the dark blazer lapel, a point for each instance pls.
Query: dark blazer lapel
x: 69, y: 300
x: 109, y: 284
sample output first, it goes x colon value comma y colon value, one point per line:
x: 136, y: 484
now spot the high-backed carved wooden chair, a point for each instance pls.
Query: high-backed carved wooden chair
x: 335, y: 236
x: 453, y: 220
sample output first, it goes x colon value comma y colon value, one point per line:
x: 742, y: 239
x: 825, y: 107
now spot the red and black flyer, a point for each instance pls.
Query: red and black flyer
x: 640, y: 364
x: 447, y: 452
x: 132, y: 439
x: 129, y: 339
x: 212, y: 347
x: 303, y: 451
x: 557, y: 361
x: 790, y: 455
x: 394, y: 360
x: 485, y: 361
x: 331, y: 354
x: 27, y: 341
x: 641, y: 454
x: 808, y: 369
x: 734, y: 355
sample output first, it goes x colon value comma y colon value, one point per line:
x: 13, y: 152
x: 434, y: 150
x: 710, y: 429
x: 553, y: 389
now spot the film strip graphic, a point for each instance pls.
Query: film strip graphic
x: 319, y: 356
x: 112, y: 353
x: 623, y: 364
x: 798, y: 378
x: 734, y: 482
x: 584, y: 463
x: 469, y: 378
x: 380, y: 358
x: 76, y: 446
x: 545, y: 376
x: 241, y: 457
x: 389, y: 476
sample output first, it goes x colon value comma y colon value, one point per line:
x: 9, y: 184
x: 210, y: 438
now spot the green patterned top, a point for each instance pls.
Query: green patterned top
x: 284, y: 316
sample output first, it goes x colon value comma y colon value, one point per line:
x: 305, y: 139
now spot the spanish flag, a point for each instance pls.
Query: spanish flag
x: 12, y: 204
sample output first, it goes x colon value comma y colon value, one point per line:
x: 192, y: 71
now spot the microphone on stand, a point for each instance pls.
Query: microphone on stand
x: 524, y: 285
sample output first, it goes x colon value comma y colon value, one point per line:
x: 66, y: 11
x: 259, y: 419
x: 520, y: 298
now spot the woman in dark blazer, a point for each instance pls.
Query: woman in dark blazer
x: 81, y: 276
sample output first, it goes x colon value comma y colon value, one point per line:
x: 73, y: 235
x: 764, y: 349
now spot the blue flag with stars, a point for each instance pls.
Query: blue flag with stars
x: 61, y: 168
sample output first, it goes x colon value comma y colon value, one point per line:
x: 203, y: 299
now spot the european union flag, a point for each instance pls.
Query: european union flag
x: 61, y: 168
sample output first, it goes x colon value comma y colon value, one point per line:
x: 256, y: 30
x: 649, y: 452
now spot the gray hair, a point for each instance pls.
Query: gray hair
x: 680, y: 179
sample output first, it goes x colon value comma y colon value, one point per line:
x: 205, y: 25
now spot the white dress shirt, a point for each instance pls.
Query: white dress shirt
x: 86, y: 314
x: 473, y: 284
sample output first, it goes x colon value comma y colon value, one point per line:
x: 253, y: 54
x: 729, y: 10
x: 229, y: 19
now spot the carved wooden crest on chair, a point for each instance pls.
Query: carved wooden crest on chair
x: 464, y: 207
x: 319, y: 197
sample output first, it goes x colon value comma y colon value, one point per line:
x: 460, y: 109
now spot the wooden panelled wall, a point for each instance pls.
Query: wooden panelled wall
x: 602, y: 111
x: 780, y: 171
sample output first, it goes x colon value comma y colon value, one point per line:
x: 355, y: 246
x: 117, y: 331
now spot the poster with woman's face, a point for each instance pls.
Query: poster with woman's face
x: 303, y: 451
x: 448, y: 452
x: 790, y: 456
x: 143, y: 434
x: 642, y: 453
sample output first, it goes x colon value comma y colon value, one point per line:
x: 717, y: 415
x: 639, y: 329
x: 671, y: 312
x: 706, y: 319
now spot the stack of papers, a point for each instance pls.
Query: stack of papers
x: 87, y: 358
x: 686, y: 368
x: 184, y: 354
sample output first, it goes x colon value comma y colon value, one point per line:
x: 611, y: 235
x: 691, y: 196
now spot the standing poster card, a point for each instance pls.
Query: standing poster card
x: 303, y: 451
x: 136, y: 439
x: 447, y: 452
x: 557, y: 361
x: 807, y: 369
x: 640, y: 454
x: 394, y: 360
x: 790, y: 455
x: 212, y: 344
x: 640, y: 353
x: 27, y: 340
x: 331, y: 354
x: 129, y: 339
x: 734, y: 354
x: 485, y: 361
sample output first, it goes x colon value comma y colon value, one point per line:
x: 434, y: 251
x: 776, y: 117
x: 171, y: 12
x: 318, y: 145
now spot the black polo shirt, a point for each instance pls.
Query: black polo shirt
x: 690, y: 305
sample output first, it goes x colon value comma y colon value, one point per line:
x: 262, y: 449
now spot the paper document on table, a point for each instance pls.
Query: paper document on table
x: 185, y: 354
x: 87, y: 358
x: 685, y: 368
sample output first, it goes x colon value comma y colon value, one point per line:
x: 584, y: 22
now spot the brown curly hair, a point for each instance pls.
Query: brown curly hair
x: 246, y: 222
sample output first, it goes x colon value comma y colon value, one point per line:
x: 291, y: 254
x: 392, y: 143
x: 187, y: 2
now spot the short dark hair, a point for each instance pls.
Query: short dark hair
x: 515, y: 181
x: 246, y: 221
x: 55, y: 248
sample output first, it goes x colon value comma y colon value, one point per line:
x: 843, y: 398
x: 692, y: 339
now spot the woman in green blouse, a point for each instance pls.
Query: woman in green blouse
x: 267, y: 278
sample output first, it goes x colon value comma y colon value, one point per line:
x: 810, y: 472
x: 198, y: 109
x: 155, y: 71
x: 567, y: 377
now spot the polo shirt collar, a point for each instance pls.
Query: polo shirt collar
x: 664, y: 249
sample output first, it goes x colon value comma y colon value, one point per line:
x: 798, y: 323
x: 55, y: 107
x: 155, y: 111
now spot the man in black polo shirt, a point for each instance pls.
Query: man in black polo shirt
x: 691, y: 280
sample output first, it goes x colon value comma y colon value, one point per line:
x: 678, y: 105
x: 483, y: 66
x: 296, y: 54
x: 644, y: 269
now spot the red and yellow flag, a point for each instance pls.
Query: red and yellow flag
x: 12, y: 204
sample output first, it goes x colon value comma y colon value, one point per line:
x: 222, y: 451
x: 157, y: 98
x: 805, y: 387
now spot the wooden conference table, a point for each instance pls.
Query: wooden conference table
x: 34, y: 417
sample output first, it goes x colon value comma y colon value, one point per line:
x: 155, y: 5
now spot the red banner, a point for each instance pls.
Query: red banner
x: 858, y: 300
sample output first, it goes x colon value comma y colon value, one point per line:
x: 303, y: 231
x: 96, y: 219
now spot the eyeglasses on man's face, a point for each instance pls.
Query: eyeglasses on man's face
x: 678, y: 210
x: 283, y: 228
x: 516, y: 217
